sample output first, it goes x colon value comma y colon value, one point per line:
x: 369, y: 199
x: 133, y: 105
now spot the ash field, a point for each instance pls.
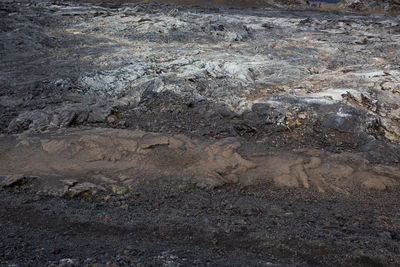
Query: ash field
x: 137, y: 134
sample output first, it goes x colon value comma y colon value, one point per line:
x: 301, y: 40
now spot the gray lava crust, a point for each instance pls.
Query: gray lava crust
x: 149, y: 134
x: 330, y: 78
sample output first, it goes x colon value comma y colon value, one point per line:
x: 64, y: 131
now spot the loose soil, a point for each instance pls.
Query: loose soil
x: 161, y: 225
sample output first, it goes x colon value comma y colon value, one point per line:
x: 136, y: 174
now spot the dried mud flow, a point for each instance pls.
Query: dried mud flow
x: 151, y: 134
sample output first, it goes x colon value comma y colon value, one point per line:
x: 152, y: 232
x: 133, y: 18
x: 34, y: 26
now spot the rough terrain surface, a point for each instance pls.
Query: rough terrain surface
x: 149, y: 134
x: 264, y: 226
x: 372, y: 5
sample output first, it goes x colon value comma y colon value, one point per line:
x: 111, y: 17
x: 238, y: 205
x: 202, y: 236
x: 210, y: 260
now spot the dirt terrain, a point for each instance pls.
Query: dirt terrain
x: 151, y: 134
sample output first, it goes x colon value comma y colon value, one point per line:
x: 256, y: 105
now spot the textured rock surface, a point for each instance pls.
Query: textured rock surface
x: 147, y: 134
x: 392, y: 6
x: 118, y: 159
x: 257, y: 80
x: 250, y: 73
x: 259, y: 226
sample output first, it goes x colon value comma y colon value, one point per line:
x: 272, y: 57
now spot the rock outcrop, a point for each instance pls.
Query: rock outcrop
x: 90, y: 161
x: 391, y: 6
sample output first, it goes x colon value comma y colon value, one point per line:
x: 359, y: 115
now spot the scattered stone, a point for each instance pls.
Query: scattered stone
x: 111, y: 119
x: 70, y: 182
x: 152, y: 141
x: 119, y: 190
x: 99, y: 112
x: 85, y: 188
x: 67, y: 262
x: 16, y: 180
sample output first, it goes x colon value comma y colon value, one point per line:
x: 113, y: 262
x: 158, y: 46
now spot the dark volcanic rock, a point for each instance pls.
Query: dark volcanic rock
x: 161, y: 67
x: 171, y: 227
x: 251, y: 136
x: 391, y: 6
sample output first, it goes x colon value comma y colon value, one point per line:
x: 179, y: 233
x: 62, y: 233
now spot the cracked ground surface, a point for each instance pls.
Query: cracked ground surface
x: 149, y: 134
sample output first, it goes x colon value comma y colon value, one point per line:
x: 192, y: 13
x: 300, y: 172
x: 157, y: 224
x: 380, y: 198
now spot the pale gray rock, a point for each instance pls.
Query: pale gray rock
x: 162, y: 68
x: 85, y: 188
x: 372, y: 5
